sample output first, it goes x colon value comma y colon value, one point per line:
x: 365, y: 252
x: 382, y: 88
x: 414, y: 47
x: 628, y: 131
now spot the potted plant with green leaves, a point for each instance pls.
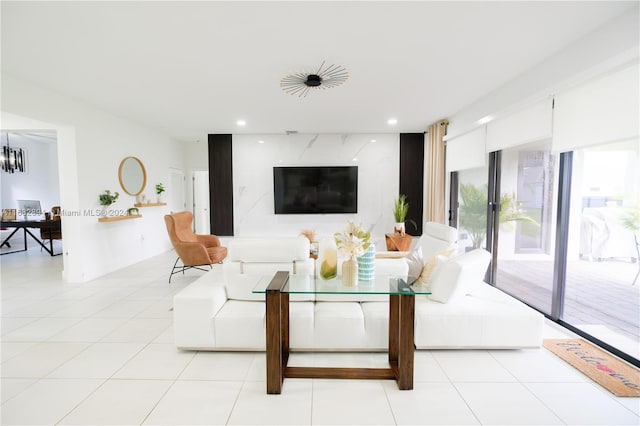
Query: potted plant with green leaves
x: 106, y: 199
x: 400, y: 210
x: 159, y: 190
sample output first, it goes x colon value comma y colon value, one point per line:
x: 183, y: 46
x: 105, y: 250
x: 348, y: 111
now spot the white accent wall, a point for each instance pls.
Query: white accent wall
x: 253, y: 162
x: 91, y: 143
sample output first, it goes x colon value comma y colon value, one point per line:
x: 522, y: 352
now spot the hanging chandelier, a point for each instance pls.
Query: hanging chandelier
x: 11, y: 159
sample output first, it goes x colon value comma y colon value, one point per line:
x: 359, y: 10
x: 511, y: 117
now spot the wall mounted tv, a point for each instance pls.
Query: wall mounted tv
x: 321, y: 190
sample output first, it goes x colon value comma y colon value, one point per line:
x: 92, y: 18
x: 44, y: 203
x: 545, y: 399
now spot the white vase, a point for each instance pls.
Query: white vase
x: 350, y: 272
x: 327, y: 263
x: 399, y: 228
x: 104, y: 212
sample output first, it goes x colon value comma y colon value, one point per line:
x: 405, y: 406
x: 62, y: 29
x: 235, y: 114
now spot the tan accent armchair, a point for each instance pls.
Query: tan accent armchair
x: 193, y: 250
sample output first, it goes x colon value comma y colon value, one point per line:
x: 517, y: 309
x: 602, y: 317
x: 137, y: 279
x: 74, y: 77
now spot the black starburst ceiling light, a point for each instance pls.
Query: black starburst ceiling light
x: 325, y: 77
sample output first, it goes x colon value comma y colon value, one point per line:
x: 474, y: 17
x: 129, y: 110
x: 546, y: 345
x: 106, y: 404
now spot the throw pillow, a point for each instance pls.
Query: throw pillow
x: 432, y: 266
x: 415, y: 262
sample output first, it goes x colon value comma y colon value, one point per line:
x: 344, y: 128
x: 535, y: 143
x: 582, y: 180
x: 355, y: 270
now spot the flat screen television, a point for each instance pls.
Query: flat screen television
x: 321, y: 190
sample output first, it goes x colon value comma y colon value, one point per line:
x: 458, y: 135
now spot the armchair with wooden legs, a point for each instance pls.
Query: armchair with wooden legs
x: 194, y: 250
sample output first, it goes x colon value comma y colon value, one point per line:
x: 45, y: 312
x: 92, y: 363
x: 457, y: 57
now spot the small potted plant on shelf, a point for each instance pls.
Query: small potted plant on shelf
x: 159, y: 190
x: 132, y: 211
x: 106, y: 199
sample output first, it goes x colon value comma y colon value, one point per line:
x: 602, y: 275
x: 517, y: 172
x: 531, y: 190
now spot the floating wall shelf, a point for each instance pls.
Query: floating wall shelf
x: 117, y: 218
x: 149, y: 204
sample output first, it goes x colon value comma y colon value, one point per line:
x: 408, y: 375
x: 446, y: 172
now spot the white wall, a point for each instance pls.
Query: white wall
x: 610, y: 46
x: 91, y: 144
x: 40, y: 179
x: 253, y: 162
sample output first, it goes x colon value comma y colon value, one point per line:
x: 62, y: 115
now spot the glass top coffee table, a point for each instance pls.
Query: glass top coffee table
x: 401, y: 294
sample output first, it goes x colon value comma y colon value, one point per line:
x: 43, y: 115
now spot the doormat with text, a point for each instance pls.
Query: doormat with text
x: 617, y: 377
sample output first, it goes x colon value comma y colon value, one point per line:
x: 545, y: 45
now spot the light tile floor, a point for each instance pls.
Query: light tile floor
x: 102, y: 352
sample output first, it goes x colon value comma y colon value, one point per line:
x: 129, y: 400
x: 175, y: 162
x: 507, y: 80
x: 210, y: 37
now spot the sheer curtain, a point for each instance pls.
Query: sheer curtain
x: 435, y: 185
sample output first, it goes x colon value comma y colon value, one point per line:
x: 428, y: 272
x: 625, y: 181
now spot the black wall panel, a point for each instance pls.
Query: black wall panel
x: 221, y: 185
x: 412, y: 178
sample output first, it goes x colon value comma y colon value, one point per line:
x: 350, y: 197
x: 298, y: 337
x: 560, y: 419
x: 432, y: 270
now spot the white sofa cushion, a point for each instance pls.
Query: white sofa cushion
x: 240, y: 325
x: 376, y: 324
x: 415, y: 262
x: 339, y: 325
x: 458, y: 275
x: 437, y: 238
x: 252, y: 259
x: 486, y: 318
x: 268, y: 249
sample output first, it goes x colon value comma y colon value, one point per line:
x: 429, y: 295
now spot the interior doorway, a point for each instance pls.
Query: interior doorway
x: 177, y: 191
x: 201, y: 214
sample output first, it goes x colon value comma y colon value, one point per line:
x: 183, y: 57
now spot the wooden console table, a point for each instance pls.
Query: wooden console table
x: 401, y: 332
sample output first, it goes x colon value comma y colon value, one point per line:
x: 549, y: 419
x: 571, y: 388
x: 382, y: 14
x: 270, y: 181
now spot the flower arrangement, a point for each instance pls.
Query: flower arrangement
x: 353, y: 241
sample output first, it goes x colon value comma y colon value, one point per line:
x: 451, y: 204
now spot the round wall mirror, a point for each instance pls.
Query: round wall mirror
x: 132, y: 175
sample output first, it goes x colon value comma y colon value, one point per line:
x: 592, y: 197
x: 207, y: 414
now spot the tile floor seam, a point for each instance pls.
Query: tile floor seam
x: 82, y: 400
x: 590, y: 383
x: 158, y: 401
x: 503, y: 366
x: 235, y: 401
x: 127, y: 361
x: 23, y: 325
x: 523, y: 384
x: 311, y: 408
x: 605, y: 391
x: 435, y: 359
x: 36, y: 381
x: 386, y: 395
x: 466, y: 403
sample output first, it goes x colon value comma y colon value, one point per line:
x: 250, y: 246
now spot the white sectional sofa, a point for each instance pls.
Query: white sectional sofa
x: 218, y: 311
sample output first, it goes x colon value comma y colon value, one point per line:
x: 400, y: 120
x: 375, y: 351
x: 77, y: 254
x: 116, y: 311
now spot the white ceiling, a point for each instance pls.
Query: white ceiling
x: 192, y: 68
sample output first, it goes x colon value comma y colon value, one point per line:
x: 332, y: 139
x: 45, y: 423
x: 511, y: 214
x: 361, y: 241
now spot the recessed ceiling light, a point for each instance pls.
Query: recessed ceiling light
x: 260, y: 141
x: 485, y: 119
x: 354, y: 159
x: 241, y: 123
x: 392, y: 121
x: 373, y: 141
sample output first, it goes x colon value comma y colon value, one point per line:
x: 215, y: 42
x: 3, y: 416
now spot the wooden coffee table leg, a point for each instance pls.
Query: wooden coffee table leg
x: 284, y: 326
x: 274, y: 343
x: 394, y: 328
x: 405, y: 344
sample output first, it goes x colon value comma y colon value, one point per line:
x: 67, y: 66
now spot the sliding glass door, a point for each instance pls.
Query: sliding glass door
x: 599, y: 294
x: 527, y: 196
x: 602, y: 288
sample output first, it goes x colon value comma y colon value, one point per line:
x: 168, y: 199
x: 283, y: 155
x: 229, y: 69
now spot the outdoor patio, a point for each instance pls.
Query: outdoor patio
x: 600, y: 298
